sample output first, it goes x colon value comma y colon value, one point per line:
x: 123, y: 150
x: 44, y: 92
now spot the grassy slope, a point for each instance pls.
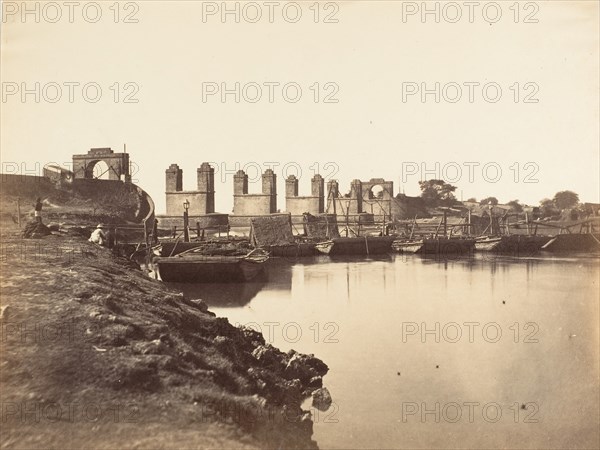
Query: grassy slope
x: 84, y: 202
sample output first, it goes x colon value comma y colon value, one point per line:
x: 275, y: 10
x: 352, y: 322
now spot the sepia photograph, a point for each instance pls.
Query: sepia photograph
x: 311, y: 224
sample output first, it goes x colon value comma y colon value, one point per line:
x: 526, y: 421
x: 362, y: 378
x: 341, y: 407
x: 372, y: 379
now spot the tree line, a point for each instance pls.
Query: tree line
x: 439, y: 193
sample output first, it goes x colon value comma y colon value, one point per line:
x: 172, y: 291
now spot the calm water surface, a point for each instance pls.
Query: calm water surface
x: 426, y: 353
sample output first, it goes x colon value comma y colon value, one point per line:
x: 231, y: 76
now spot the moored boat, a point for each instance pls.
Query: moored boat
x: 487, y: 243
x: 295, y: 250
x: 274, y: 234
x: 194, y: 267
x: 514, y: 244
x: 364, y: 245
x: 584, y: 242
x: 175, y: 247
x: 409, y: 246
x: 436, y: 246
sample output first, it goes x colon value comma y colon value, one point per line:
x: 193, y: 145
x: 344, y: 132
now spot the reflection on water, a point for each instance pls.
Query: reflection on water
x: 222, y: 295
x: 427, y: 352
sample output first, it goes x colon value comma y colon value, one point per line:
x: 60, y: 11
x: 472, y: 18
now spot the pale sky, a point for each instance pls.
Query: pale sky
x: 371, y: 56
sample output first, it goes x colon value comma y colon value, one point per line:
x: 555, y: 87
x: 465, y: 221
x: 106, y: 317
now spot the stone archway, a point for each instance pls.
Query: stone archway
x: 98, y: 170
x: 376, y: 192
x: 377, y: 195
x: 117, y: 165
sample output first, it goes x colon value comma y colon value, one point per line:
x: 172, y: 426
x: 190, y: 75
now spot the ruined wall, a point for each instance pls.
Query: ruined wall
x: 300, y: 205
x: 378, y: 207
x: 297, y: 205
x: 206, y: 186
x: 202, y: 200
x: 378, y: 197
x: 373, y: 197
x: 245, y: 204
x: 342, y: 205
x: 118, y: 164
x: 25, y: 185
x: 363, y: 197
x: 214, y: 221
x: 251, y: 205
x: 198, y: 201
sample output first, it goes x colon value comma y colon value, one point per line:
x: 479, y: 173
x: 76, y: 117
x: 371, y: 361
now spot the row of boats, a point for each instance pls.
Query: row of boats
x: 515, y: 245
x: 238, y: 261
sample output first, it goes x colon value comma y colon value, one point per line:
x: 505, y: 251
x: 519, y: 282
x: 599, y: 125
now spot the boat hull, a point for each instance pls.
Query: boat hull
x: 408, y: 247
x: 515, y: 244
x: 577, y: 242
x: 175, y: 248
x: 444, y: 246
x: 292, y: 250
x: 369, y: 245
x: 436, y: 246
x: 207, y: 269
x: 487, y: 245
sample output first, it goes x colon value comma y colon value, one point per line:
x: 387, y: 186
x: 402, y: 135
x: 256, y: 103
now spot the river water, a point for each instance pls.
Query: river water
x: 431, y: 353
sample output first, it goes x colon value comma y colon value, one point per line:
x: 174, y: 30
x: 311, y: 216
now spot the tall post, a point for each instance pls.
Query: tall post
x: 445, y: 223
x: 186, y: 221
x: 186, y: 229
x: 469, y: 223
x: 19, y: 211
x: 147, y: 252
x: 348, y: 218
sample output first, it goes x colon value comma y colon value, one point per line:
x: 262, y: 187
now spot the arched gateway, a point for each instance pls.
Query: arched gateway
x: 117, y: 163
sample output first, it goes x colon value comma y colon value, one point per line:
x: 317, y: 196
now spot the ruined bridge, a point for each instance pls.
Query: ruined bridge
x: 371, y: 200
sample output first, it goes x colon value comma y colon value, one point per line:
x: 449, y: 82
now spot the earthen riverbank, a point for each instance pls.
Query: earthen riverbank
x: 96, y: 354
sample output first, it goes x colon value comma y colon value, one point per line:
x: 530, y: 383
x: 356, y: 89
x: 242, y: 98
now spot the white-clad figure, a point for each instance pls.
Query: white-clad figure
x: 98, y: 236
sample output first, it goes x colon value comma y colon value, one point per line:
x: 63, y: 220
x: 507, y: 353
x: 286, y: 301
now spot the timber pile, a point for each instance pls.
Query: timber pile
x: 323, y: 226
x: 218, y: 248
x: 273, y: 230
x: 35, y: 230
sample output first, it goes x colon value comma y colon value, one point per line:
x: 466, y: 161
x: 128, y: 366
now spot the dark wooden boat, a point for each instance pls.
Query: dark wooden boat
x: 408, y: 246
x: 514, y: 244
x: 365, y: 245
x: 487, y: 243
x: 274, y: 234
x: 580, y: 242
x: 194, y: 267
x: 435, y: 246
x: 175, y: 247
x: 292, y: 250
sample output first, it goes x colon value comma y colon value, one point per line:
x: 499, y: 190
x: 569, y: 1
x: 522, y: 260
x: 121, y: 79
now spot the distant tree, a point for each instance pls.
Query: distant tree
x: 472, y: 200
x: 565, y: 199
x: 489, y: 201
x: 435, y: 192
x: 515, y: 206
x: 547, y: 208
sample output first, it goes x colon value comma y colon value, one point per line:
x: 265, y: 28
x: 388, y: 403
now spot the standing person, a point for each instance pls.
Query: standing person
x: 155, y: 232
x: 98, y: 236
x: 38, y: 210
